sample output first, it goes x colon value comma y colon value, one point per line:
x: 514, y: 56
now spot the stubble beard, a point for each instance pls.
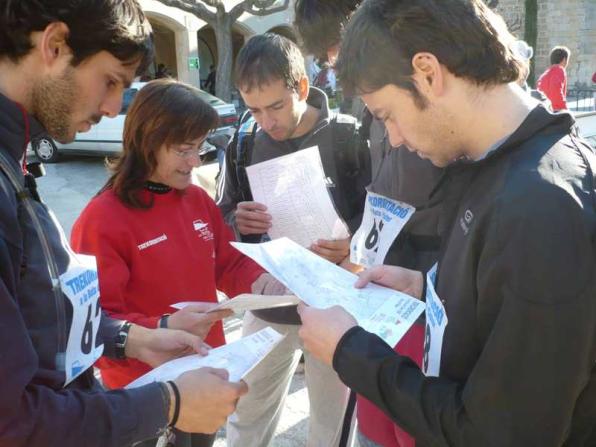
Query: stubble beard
x: 52, y: 103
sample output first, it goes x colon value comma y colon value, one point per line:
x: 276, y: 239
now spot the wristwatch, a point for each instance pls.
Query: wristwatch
x: 121, y: 339
x: 163, y: 321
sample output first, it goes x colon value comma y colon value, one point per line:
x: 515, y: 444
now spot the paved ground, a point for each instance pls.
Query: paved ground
x: 71, y: 183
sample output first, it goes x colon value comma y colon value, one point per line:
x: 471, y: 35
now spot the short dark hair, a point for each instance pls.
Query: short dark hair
x: 164, y: 112
x: 559, y: 54
x: 269, y: 57
x: 117, y: 26
x: 320, y: 23
x: 465, y: 36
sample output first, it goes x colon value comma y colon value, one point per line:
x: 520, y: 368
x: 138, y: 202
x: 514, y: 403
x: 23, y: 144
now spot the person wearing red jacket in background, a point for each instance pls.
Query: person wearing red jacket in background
x: 157, y: 238
x: 553, y: 82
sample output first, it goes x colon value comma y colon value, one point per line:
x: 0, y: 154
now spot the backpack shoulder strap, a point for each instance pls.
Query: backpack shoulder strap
x: 350, y: 147
x: 245, y: 140
x: 25, y: 198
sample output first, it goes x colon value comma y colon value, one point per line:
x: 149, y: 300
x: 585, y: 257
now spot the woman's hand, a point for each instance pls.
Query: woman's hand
x: 196, y: 318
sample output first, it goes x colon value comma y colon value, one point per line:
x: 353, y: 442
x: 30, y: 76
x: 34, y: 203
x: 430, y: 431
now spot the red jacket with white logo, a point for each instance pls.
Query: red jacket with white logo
x: 178, y: 250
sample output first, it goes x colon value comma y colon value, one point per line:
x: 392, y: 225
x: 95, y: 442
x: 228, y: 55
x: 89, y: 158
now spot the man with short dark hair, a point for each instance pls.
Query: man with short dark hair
x: 553, y: 82
x: 399, y: 175
x: 64, y: 66
x: 510, y: 312
x: 288, y: 115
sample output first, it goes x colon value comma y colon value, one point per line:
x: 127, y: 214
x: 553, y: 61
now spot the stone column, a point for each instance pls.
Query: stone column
x: 186, y: 49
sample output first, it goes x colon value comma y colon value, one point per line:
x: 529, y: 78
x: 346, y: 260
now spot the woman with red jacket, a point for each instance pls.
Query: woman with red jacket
x: 157, y: 238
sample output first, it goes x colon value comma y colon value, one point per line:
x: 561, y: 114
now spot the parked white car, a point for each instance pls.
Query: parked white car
x: 105, y: 138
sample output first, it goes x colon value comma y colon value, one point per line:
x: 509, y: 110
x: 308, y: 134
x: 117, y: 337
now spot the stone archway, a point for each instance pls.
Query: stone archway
x: 207, y: 47
x: 164, y: 40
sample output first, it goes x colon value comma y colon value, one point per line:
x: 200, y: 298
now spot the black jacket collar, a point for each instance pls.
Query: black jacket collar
x: 17, y: 128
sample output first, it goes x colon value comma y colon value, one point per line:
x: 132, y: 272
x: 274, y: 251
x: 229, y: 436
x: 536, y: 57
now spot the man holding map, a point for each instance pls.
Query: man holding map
x: 509, y: 344
x: 287, y: 117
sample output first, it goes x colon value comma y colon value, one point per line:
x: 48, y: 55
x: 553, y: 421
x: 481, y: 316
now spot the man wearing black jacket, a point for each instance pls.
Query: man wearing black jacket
x: 510, y: 343
x: 63, y: 66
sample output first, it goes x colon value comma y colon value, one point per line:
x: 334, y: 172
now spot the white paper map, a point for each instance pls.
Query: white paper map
x: 238, y: 358
x: 294, y: 189
x: 248, y: 301
x: 321, y: 284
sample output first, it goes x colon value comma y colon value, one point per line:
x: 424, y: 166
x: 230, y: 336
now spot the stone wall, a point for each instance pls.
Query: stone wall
x: 512, y: 12
x: 571, y: 23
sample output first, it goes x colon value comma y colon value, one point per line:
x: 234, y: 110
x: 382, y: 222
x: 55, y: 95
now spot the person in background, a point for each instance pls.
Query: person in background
x: 159, y: 239
x: 63, y: 67
x: 553, y: 82
x: 162, y: 72
x: 210, y: 81
x: 525, y: 52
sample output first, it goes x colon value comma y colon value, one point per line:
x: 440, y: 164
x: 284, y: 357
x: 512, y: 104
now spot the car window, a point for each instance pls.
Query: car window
x: 127, y: 98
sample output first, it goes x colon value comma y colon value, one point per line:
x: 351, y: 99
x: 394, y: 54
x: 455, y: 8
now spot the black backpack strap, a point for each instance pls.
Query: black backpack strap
x: 244, y: 144
x: 25, y: 198
x: 351, y: 147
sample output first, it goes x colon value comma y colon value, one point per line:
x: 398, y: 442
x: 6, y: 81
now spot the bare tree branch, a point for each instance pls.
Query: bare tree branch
x: 196, y: 8
x: 257, y: 10
x: 238, y: 10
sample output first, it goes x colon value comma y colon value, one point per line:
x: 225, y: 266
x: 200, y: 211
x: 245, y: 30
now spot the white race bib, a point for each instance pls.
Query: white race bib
x: 436, y: 322
x: 382, y: 221
x: 79, y: 283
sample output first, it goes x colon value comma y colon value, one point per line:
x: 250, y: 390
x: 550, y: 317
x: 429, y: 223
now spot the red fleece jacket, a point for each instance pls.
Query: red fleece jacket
x: 553, y: 83
x: 372, y: 422
x: 178, y: 250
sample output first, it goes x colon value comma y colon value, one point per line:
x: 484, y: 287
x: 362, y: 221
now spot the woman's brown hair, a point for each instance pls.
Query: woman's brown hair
x: 164, y: 112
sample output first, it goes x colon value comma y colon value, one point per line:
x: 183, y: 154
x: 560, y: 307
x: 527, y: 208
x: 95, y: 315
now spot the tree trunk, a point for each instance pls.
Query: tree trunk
x: 223, y: 38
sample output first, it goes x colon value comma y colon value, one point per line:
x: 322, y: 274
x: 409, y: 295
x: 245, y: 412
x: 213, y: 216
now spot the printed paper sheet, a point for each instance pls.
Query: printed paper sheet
x: 321, y: 284
x: 238, y: 358
x: 294, y: 189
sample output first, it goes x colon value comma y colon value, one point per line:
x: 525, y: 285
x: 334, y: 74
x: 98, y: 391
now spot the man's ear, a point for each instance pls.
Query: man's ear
x: 303, y: 89
x: 52, y: 44
x: 428, y: 74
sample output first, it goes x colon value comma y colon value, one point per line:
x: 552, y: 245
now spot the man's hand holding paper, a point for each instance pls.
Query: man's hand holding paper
x: 322, y: 329
x: 333, y: 250
x: 252, y: 218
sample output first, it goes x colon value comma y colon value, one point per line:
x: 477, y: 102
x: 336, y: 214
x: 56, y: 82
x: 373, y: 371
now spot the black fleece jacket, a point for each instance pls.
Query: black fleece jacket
x: 517, y: 274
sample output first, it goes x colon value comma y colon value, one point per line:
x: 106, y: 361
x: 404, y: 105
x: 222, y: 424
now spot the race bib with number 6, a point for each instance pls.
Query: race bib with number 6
x: 382, y: 221
x: 79, y: 283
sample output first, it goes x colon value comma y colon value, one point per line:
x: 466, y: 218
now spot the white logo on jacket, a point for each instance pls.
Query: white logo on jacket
x: 203, y: 229
x: 152, y: 242
x: 466, y: 221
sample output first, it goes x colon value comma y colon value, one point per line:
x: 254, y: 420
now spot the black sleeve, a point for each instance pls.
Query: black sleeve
x: 360, y: 180
x: 538, y: 270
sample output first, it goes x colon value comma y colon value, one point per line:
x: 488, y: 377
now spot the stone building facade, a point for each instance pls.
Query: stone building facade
x: 571, y: 23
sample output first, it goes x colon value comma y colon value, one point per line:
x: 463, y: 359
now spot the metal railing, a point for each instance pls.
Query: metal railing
x: 581, y: 100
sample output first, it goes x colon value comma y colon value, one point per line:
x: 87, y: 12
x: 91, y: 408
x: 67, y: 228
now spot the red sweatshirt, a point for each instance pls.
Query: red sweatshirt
x: 372, y: 422
x: 553, y: 83
x: 178, y: 250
